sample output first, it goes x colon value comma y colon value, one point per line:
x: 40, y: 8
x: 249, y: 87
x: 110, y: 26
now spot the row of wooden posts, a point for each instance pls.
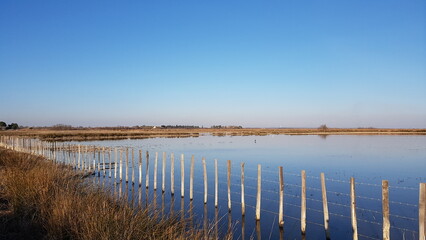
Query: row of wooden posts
x: 51, y: 151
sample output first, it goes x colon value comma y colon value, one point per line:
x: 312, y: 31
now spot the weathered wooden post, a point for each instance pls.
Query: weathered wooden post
x: 182, y: 176
x: 422, y: 211
x: 191, y: 179
x: 303, y: 204
x: 155, y: 170
x: 353, y: 210
x: 147, y: 170
x: 115, y: 164
x: 205, y: 179
x: 79, y: 157
x: 163, y: 176
x: 216, y: 187
x: 281, y: 203
x: 259, y: 190
x: 325, y: 206
x: 133, y: 166
x: 103, y: 161
x: 385, y: 208
x: 243, y: 204
x: 121, y: 165
x: 172, y: 173
x: 110, y: 163
x: 229, y: 185
x: 140, y: 167
x: 127, y: 165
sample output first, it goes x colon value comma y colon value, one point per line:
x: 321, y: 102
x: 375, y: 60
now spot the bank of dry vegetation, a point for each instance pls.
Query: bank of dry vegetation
x: 43, y: 200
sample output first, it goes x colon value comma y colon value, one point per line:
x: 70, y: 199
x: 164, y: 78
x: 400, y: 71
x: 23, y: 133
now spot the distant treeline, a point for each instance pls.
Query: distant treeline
x: 5, y: 126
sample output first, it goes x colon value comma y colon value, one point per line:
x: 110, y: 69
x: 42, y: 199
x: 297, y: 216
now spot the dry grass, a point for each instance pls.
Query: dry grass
x: 42, y: 200
x: 88, y: 134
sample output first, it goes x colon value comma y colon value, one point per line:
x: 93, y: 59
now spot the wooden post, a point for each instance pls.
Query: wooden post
x: 281, y: 206
x: 103, y: 161
x: 172, y: 173
x: 353, y: 210
x: 205, y: 180
x: 115, y: 164
x: 191, y: 179
x: 127, y: 165
x: 147, y: 170
x: 325, y: 206
x: 133, y: 166
x: 259, y: 189
x: 155, y: 170
x: 303, y: 204
x: 385, y: 208
x: 163, y: 176
x: 79, y: 158
x: 243, y: 204
x: 422, y: 211
x: 110, y: 163
x: 182, y: 176
x: 121, y: 165
x: 216, y: 184
x: 229, y: 185
x: 140, y: 167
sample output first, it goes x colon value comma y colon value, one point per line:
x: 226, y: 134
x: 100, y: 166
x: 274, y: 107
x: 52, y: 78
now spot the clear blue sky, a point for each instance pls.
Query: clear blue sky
x: 250, y: 63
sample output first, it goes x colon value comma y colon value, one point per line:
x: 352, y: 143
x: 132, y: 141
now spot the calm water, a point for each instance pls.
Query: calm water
x: 369, y: 159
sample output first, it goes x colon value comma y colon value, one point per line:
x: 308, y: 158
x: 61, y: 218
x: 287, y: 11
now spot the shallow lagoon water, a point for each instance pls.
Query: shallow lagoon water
x: 369, y: 159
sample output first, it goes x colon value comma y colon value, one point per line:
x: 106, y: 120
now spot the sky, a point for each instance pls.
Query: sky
x: 249, y: 63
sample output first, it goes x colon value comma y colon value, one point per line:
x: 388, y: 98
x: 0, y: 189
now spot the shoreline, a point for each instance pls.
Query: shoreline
x: 94, y: 134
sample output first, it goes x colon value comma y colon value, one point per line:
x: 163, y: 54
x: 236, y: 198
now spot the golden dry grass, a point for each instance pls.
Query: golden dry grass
x: 43, y: 200
x: 88, y: 134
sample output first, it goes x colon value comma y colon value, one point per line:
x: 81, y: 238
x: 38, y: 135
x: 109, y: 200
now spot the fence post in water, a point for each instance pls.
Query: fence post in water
x: 281, y: 206
x: 147, y: 170
x: 182, y: 176
x: 115, y: 164
x: 79, y: 158
x: 303, y: 204
x: 259, y: 189
x: 191, y: 179
x: 229, y: 185
x: 243, y: 204
x: 133, y: 166
x: 103, y: 161
x: 163, y: 176
x: 121, y: 165
x: 127, y: 165
x: 385, y: 208
x: 216, y: 187
x: 140, y: 168
x: 422, y: 211
x: 155, y: 170
x: 172, y: 173
x: 205, y: 180
x: 325, y: 206
x: 353, y: 210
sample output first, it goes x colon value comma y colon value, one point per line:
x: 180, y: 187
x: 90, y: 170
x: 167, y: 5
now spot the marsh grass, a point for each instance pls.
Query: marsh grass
x: 43, y: 200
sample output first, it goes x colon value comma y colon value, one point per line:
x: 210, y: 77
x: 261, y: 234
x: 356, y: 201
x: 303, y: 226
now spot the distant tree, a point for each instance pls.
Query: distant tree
x: 3, y: 124
x: 13, y: 126
x: 323, y: 128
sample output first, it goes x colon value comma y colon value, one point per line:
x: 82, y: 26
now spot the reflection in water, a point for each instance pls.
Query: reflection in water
x: 155, y: 202
x: 146, y: 197
x: 230, y: 232
x: 182, y: 209
x: 162, y: 204
x: 243, y: 227
x: 205, y: 222
x: 133, y: 195
x: 140, y: 196
x: 172, y: 204
x: 258, y: 232
x: 191, y: 214
x: 323, y: 136
x: 281, y: 233
x: 216, y: 223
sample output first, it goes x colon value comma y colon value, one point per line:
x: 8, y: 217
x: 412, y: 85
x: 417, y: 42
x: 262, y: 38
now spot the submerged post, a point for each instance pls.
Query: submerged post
x: 353, y: 210
x: 281, y: 203
x: 155, y: 170
x: 243, y: 204
x: 191, y: 180
x: 385, y: 208
x: 216, y: 187
x: 422, y: 211
x: 303, y: 204
x: 229, y: 185
x: 172, y: 173
x: 147, y: 170
x: 163, y: 172
x: 259, y: 189
x: 325, y: 206
x: 205, y: 180
x: 182, y: 175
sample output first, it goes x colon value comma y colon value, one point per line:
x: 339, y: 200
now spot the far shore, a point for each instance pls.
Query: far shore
x: 111, y: 133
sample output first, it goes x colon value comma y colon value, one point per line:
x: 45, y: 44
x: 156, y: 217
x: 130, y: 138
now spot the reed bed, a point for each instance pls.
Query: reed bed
x: 43, y: 200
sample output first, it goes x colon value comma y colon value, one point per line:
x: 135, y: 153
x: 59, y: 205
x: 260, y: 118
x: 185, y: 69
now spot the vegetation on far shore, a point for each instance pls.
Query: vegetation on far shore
x: 43, y: 200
